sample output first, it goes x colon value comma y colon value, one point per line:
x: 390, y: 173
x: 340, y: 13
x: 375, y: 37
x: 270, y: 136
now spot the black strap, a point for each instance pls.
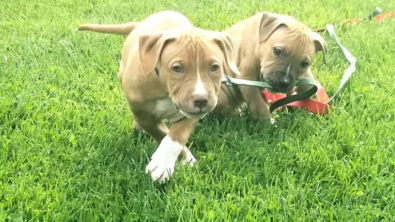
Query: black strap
x: 157, y: 71
x: 296, y: 97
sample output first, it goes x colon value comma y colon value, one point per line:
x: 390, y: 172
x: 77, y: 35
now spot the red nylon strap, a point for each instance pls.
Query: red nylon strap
x: 386, y: 15
x: 317, y: 106
x: 376, y: 15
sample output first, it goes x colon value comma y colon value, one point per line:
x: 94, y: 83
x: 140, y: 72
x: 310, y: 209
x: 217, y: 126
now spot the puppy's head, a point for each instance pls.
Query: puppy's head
x: 287, y: 49
x: 190, y: 63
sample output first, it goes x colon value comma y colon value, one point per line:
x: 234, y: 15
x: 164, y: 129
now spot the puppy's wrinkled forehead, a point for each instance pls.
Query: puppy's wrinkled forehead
x: 192, y: 43
x: 296, y: 39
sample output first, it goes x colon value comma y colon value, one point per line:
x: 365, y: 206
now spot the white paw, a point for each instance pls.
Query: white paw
x: 161, y: 166
x: 189, y: 158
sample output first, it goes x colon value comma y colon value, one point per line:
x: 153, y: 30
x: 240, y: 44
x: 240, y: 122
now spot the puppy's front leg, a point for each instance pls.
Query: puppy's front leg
x: 162, y: 163
x: 256, y: 105
x: 252, y: 96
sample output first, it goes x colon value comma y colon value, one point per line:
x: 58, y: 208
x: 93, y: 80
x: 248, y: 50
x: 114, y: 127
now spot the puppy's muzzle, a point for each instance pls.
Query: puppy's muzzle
x: 284, y: 82
x: 200, y: 101
x: 279, y: 80
x: 197, y: 105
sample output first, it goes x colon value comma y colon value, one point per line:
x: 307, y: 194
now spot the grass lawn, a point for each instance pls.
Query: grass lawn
x: 68, y: 152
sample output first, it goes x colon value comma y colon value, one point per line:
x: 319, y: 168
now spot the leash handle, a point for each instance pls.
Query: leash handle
x: 296, y: 97
x: 288, y: 99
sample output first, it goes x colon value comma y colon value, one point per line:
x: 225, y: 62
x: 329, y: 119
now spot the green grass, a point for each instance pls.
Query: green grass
x: 68, y: 152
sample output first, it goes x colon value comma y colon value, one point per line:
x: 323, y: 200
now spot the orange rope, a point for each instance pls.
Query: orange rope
x: 378, y: 17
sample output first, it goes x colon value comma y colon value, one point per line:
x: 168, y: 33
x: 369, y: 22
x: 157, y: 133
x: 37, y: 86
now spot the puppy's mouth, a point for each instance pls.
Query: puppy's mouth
x: 194, y: 115
x: 281, y: 90
x: 277, y: 86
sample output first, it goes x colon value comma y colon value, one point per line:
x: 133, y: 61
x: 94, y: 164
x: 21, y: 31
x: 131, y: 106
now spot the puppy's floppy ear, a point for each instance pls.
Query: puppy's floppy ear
x: 150, y: 48
x: 320, y: 44
x: 227, y: 45
x: 269, y: 23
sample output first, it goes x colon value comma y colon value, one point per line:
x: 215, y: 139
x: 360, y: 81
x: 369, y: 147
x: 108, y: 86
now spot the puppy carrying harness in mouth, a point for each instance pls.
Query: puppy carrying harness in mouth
x: 323, y: 102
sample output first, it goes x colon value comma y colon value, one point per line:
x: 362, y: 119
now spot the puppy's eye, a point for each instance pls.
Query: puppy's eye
x: 214, y: 67
x: 277, y: 52
x: 177, y: 68
x: 304, y: 65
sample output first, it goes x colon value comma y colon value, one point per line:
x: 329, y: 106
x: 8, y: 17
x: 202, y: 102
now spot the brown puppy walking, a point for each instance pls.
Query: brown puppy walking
x: 170, y: 70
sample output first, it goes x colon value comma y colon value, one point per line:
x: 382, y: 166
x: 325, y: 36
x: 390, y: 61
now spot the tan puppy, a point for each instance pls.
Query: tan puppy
x: 170, y: 70
x: 273, y: 48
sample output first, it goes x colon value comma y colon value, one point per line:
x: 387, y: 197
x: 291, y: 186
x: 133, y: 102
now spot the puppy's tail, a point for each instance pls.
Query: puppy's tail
x: 123, y: 29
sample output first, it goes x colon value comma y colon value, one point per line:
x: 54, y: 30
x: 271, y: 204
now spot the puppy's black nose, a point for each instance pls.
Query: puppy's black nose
x: 284, y: 83
x: 200, y: 103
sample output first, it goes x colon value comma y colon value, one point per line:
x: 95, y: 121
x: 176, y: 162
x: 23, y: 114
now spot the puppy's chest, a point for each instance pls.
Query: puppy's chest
x: 165, y: 109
